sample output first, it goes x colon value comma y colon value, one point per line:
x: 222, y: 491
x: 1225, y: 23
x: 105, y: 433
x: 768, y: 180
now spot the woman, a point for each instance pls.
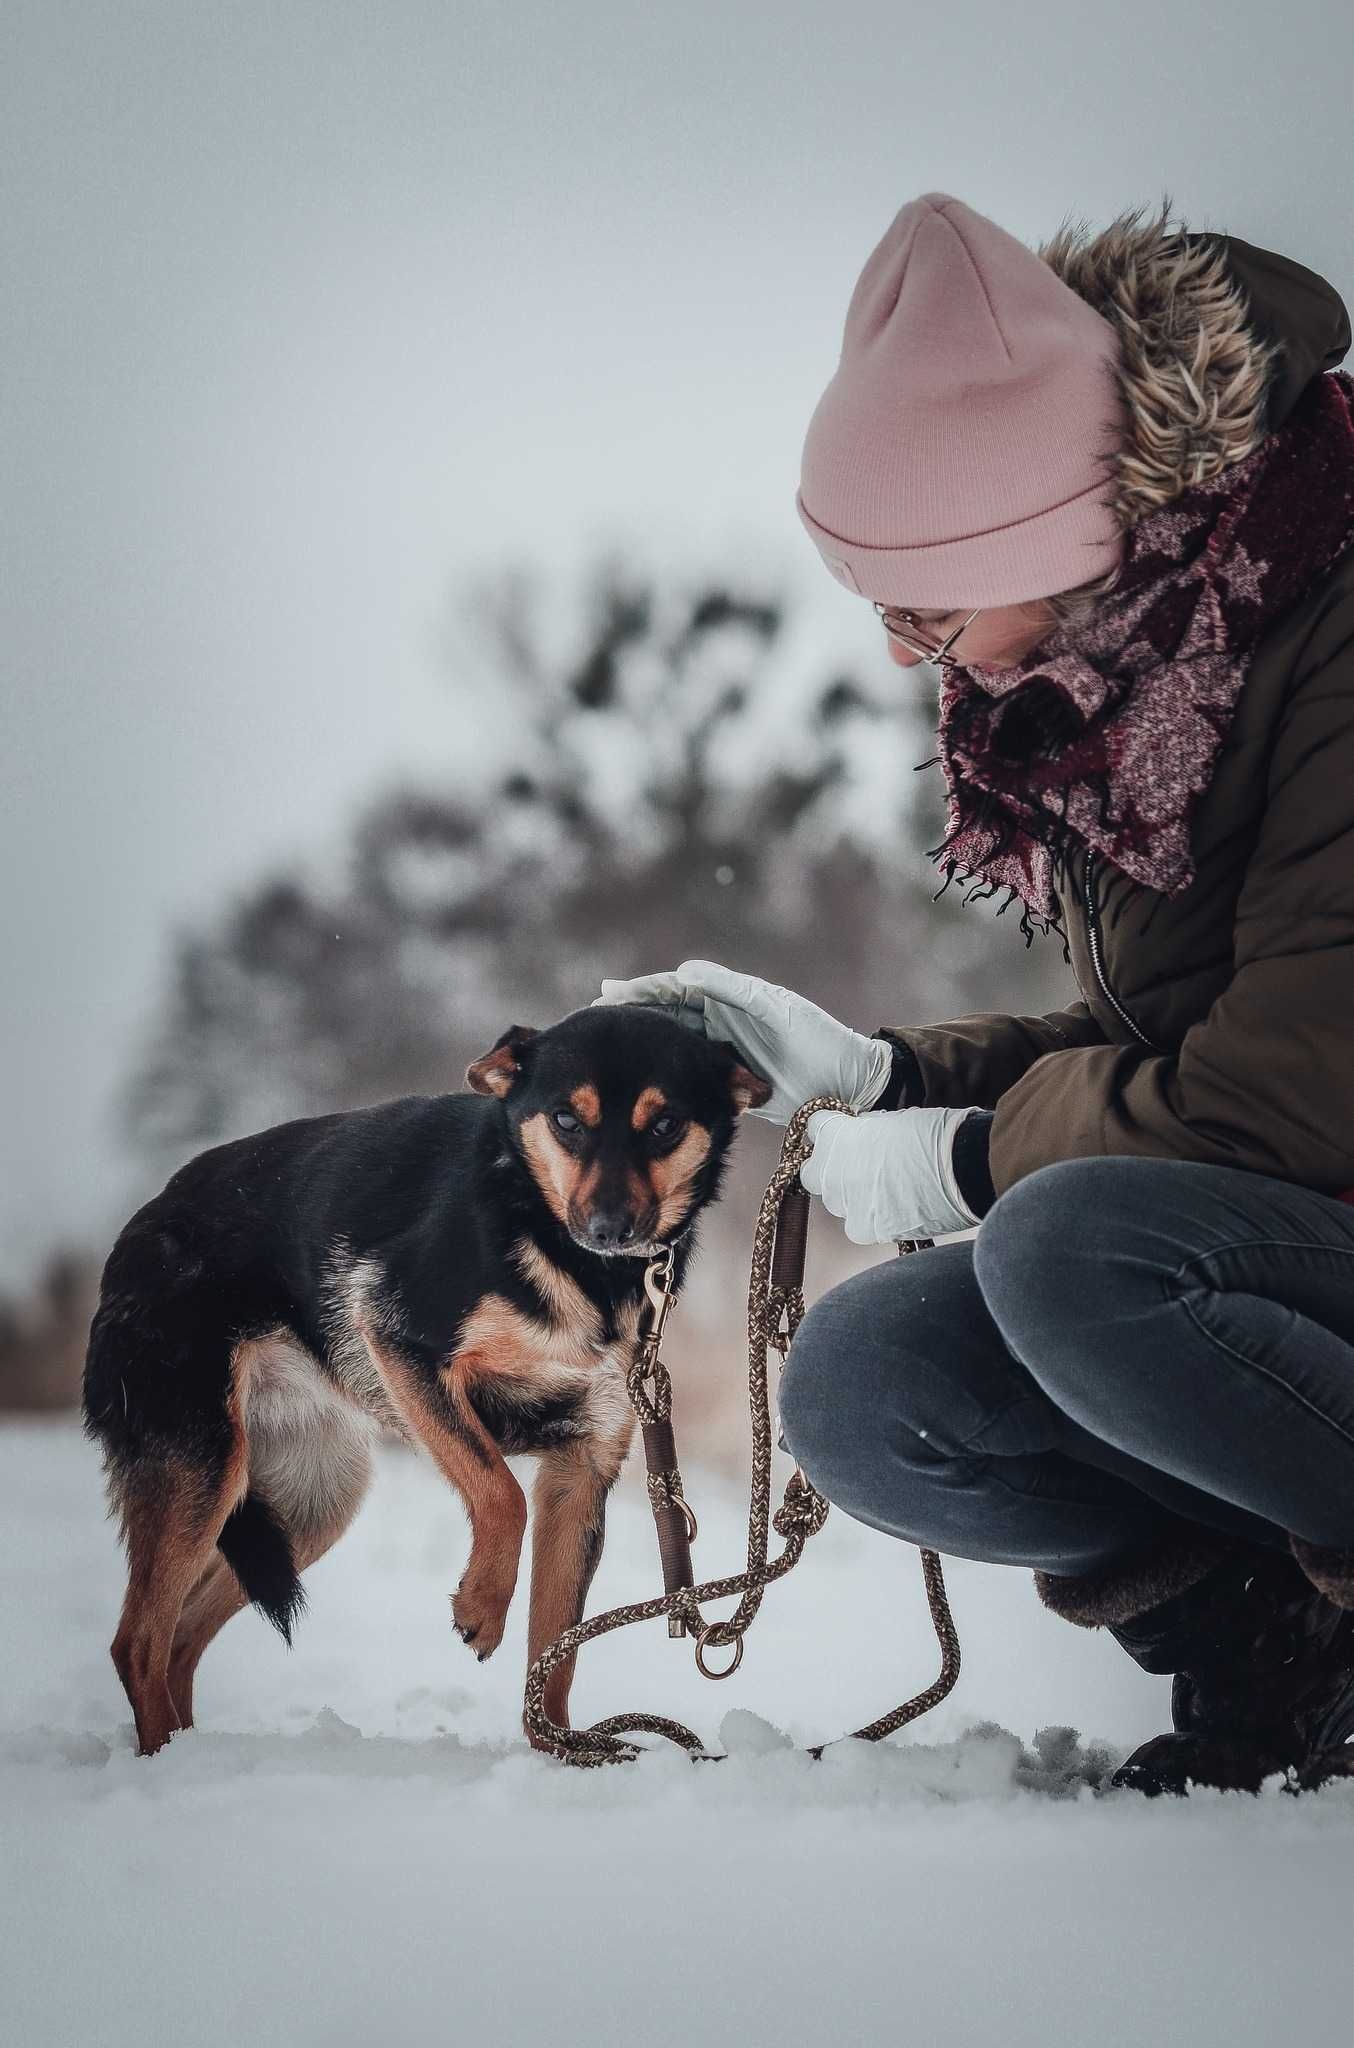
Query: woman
x: 1109, y: 487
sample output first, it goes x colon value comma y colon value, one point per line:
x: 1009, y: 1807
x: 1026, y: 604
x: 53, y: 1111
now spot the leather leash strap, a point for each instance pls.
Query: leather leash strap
x: 775, y: 1308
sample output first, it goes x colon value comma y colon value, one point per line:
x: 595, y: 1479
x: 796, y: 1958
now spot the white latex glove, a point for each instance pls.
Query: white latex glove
x: 785, y: 1038
x: 887, y: 1176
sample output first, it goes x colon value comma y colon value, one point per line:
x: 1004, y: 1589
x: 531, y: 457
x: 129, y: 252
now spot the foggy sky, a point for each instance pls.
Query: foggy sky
x: 310, y: 311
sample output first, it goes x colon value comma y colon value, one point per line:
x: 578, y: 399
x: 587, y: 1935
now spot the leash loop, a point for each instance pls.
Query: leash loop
x: 803, y: 1510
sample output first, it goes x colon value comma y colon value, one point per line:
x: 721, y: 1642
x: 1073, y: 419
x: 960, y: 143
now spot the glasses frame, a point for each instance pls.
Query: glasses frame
x: 890, y: 614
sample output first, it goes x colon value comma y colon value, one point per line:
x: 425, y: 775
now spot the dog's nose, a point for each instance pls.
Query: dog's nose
x: 608, y: 1231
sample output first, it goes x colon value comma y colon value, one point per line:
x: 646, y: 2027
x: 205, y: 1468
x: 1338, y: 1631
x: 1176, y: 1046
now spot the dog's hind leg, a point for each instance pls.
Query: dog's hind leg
x: 217, y: 1595
x: 172, y: 1516
x: 310, y: 1462
x: 162, y: 1397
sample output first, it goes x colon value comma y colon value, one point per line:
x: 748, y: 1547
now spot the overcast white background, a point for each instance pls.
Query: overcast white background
x: 312, y: 312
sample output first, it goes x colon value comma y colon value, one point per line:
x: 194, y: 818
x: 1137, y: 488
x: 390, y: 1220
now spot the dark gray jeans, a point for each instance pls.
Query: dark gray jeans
x: 1126, y: 1344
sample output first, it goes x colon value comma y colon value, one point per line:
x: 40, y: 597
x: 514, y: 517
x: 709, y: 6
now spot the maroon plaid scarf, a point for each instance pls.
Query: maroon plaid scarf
x: 1108, y: 734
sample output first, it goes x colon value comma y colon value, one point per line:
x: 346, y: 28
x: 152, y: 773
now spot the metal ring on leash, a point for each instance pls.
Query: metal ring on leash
x: 691, y: 1526
x: 701, y: 1664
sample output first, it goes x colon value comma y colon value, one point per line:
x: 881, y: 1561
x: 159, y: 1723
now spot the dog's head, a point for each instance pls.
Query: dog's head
x: 622, y: 1117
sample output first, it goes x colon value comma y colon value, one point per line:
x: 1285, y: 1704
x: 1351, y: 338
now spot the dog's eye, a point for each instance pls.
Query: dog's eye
x: 565, y: 1120
x: 664, y: 1127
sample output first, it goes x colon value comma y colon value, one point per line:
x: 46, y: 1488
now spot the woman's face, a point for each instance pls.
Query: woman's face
x: 996, y: 639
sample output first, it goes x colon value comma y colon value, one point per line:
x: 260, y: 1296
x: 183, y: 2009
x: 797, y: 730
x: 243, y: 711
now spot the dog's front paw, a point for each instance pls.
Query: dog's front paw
x: 479, y: 1611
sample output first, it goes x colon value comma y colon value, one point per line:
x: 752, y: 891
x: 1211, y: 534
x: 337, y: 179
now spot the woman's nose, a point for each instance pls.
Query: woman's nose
x: 901, y: 655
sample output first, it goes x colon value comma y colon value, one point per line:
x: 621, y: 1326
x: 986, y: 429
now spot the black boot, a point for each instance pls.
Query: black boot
x: 1264, y: 1678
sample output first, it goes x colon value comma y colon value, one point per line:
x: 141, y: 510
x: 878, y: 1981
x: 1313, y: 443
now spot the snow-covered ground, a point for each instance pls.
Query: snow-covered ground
x: 356, y: 1846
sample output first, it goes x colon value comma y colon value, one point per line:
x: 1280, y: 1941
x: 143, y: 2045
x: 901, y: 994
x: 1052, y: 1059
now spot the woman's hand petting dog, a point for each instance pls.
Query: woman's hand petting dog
x: 800, y: 1049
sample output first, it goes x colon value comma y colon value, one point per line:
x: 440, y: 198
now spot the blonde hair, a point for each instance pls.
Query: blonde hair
x: 1070, y: 607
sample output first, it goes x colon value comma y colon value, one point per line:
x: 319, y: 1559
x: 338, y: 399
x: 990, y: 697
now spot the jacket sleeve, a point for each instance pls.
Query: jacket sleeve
x: 974, y: 1060
x: 1266, y: 1080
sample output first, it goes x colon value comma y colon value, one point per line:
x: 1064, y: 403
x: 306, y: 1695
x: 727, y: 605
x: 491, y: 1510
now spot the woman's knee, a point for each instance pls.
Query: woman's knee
x: 1027, y: 1239
x: 894, y: 1384
x: 903, y: 1353
x: 1063, y: 1265
x: 838, y: 1420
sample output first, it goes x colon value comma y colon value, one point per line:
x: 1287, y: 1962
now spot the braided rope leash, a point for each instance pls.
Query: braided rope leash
x: 775, y: 1309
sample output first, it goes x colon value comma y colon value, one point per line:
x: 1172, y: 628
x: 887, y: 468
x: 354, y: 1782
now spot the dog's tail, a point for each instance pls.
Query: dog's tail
x: 258, y: 1550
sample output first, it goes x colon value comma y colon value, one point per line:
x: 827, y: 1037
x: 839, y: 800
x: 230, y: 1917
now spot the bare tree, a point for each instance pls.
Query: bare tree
x: 688, y: 780
x: 691, y: 777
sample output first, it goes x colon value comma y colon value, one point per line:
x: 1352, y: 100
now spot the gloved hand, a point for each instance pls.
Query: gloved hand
x: 887, y: 1176
x: 789, y: 1041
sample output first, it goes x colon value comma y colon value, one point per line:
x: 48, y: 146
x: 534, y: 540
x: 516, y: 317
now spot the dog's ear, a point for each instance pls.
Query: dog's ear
x: 495, y: 1071
x: 746, y: 1089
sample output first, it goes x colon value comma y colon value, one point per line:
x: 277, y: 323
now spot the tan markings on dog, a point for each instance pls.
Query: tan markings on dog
x: 555, y: 1171
x: 443, y: 1419
x: 504, y: 1340
x: 570, y: 1356
x: 649, y: 1103
x: 566, y: 1303
x: 673, y: 1174
x: 627, y: 1327
x: 586, y: 1105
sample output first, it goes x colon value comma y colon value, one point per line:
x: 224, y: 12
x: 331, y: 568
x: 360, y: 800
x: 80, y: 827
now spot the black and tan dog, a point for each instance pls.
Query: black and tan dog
x: 467, y: 1271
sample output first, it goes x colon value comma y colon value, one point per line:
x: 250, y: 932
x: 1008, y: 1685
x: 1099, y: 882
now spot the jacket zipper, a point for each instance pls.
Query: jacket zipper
x: 1097, y: 955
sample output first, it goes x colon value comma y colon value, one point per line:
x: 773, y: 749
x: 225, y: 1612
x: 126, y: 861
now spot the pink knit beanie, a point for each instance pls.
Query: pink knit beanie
x: 962, y: 453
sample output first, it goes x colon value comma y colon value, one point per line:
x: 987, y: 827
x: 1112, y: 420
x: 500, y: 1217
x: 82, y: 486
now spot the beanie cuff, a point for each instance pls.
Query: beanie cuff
x: 1070, y: 544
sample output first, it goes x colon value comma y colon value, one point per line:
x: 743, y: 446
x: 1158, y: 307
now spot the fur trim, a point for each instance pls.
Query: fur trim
x: 1120, y: 1593
x: 1193, y: 373
x: 1330, y: 1571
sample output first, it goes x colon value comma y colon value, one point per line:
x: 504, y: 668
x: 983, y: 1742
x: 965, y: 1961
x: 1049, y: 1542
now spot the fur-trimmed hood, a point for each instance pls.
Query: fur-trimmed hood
x: 1218, y: 339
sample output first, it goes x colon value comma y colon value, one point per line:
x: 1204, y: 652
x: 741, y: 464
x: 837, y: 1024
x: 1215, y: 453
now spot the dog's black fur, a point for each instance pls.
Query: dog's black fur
x: 466, y: 1268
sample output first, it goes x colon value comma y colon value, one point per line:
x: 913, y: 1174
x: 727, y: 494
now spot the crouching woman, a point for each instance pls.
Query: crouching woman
x: 1107, y: 489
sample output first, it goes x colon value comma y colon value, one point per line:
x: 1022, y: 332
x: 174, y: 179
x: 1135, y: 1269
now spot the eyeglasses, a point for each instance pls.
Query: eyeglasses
x: 907, y: 631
